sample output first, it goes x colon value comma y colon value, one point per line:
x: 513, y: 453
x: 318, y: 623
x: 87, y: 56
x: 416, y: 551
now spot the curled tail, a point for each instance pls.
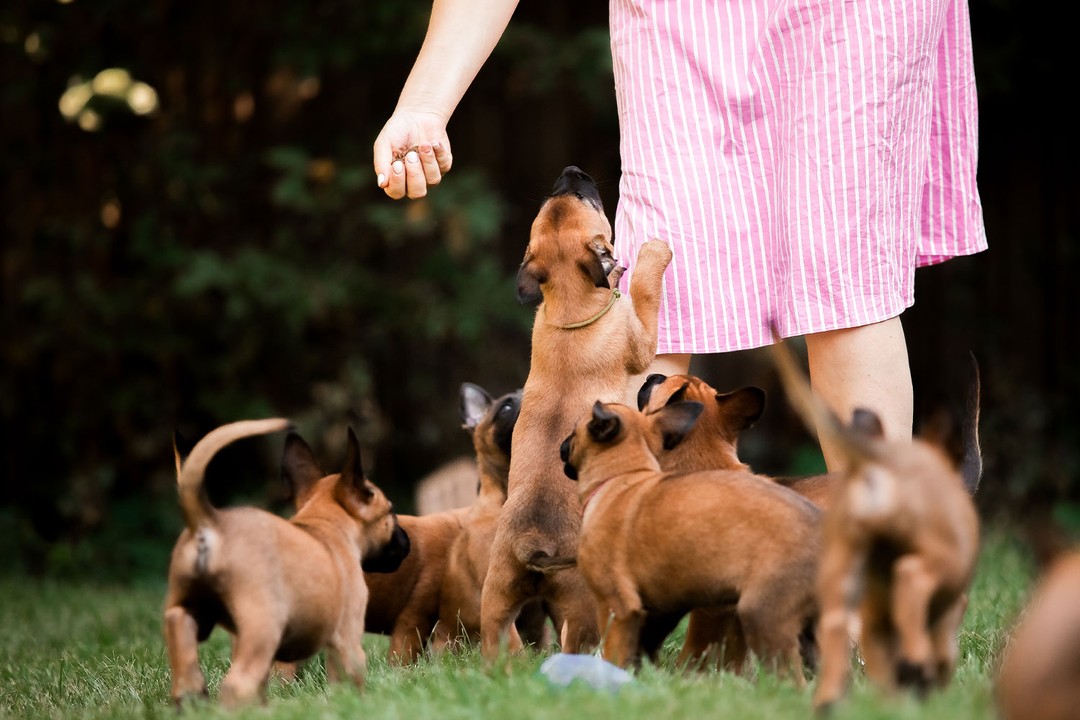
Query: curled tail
x: 194, y: 504
x: 971, y: 464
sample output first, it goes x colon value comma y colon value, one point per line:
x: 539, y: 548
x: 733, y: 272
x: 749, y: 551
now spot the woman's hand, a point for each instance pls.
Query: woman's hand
x: 411, y: 153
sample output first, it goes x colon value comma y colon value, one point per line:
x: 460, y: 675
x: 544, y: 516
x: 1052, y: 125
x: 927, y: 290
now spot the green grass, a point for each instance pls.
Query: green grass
x: 88, y: 651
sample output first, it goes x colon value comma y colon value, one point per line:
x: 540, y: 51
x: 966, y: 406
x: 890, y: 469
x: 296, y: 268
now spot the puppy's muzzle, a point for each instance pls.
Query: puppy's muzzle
x: 574, y: 181
x: 389, y: 557
x: 564, y: 455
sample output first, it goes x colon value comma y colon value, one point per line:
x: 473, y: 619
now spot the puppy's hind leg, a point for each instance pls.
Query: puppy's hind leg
x: 254, y: 648
x: 913, y: 585
x: 182, y: 642
x: 573, y: 612
x: 500, y: 601
x: 946, y: 645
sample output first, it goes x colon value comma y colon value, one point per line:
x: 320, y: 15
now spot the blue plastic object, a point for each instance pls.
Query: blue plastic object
x: 562, y: 669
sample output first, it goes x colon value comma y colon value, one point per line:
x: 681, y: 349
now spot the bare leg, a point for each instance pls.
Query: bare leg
x: 672, y: 364
x: 863, y: 367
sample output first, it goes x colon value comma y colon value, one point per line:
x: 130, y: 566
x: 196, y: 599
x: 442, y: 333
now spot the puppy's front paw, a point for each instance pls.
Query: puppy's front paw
x: 655, y: 251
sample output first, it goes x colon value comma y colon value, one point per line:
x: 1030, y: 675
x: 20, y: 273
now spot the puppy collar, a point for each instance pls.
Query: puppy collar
x: 615, y: 295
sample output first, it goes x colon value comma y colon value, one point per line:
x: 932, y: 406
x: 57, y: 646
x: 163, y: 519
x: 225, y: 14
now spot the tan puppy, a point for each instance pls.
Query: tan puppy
x: 714, y: 440
x: 403, y: 594
x: 712, y: 445
x: 283, y: 589
x: 655, y: 545
x: 901, y: 541
x: 586, y: 343
x: 491, y: 423
x: 1039, y: 677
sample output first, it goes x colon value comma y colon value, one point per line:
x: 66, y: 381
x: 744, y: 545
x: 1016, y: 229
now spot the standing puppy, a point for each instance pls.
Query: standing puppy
x: 586, y: 343
x: 1039, y: 677
x: 491, y: 422
x: 901, y: 541
x: 712, y: 445
x: 655, y: 545
x: 403, y: 594
x: 283, y: 588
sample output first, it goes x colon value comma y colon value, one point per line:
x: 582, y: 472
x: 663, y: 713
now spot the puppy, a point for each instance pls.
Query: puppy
x: 403, y: 594
x: 586, y: 343
x: 283, y: 588
x: 712, y: 445
x: 491, y: 423
x: 901, y: 541
x: 1039, y: 678
x: 655, y: 545
x: 714, y: 440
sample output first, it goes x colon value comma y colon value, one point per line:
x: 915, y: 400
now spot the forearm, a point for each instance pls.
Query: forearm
x: 460, y: 37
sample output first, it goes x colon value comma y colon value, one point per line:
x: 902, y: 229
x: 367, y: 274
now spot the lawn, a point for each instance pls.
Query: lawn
x: 92, y: 651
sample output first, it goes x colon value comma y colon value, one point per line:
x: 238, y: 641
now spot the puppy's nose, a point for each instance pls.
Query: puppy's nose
x: 574, y: 180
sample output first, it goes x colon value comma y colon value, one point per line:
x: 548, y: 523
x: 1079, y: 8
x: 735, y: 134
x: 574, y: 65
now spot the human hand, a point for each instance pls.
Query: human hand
x: 411, y: 153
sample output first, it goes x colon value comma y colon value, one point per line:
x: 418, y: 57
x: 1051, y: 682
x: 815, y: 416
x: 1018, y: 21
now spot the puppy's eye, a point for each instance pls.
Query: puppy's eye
x: 504, y: 409
x: 579, y: 196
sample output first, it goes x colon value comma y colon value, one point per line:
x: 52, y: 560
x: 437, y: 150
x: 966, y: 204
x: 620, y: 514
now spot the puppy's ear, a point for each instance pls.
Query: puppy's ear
x: 598, y: 263
x: 604, y: 425
x: 679, y: 395
x: 647, y: 387
x: 867, y: 423
x: 299, y: 469
x: 743, y: 406
x: 474, y: 402
x: 674, y: 421
x: 529, y: 279
x: 353, y: 492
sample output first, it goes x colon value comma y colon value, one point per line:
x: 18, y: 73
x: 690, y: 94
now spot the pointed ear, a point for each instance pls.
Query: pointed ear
x: 867, y: 423
x: 299, y: 469
x: 743, y: 406
x: 604, y: 425
x: 679, y: 395
x: 599, y: 263
x: 352, y: 472
x: 674, y: 421
x: 645, y: 392
x: 474, y: 403
x: 529, y: 279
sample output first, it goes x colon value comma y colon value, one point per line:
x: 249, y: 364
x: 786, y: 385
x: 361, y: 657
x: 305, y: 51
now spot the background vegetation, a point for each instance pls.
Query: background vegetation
x: 223, y: 252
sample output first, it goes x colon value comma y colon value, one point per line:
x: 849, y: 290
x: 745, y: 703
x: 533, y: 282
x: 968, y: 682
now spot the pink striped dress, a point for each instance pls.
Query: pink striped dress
x: 802, y: 158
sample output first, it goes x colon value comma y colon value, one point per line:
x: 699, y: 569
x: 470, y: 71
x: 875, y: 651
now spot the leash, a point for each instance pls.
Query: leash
x: 615, y: 295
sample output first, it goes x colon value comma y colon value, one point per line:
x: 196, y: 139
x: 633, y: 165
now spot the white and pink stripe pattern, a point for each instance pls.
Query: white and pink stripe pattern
x: 802, y: 157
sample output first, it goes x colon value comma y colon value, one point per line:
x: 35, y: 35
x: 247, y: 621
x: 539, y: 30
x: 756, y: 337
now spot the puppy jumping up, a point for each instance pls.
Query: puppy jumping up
x: 403, y: 594
x: 901, y: 541
x: 655, y: 545
x: 283, y: 588
x: 1039, y: 678
x: 586, y: 344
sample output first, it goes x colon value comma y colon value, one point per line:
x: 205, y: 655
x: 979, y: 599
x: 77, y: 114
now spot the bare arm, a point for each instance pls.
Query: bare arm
x: 413, y: 150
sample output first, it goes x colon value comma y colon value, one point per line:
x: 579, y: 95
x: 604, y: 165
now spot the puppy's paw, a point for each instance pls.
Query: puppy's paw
x: 655, y: 251
x: 915, y: 676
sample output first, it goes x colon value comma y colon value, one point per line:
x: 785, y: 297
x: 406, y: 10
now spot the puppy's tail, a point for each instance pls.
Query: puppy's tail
x: 814, y: 413
x: 971, y: 463
x: 194, y: 504
x: 540, y: 554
